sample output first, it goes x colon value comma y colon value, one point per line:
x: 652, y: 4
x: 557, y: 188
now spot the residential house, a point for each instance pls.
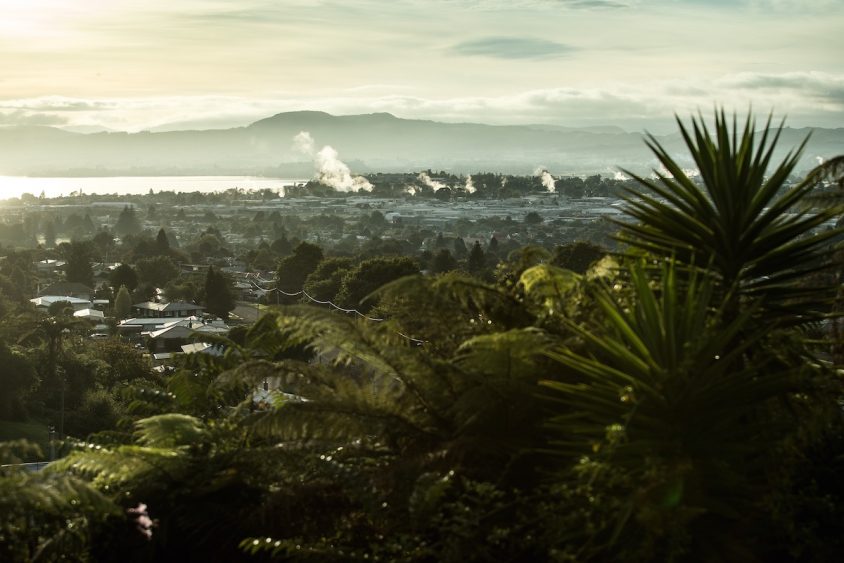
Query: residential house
x: 172, y: 310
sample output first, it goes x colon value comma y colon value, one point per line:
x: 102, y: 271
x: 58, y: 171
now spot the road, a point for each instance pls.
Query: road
x: 247, y: 312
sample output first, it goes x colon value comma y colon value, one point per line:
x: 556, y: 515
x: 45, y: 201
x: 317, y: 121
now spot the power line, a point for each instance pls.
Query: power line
x: 336, y: 307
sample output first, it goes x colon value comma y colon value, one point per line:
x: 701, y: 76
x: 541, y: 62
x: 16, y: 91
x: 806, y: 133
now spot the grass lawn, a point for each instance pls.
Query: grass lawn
x: 32, y: 430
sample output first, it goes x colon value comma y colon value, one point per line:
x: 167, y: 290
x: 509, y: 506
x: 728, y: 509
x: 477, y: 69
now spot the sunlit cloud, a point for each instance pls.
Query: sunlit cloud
x: 807, y: 98
x: 511, y: 48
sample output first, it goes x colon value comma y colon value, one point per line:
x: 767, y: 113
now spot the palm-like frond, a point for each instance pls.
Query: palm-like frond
x: 670, y: 395
x: 47, y: 517
x: 742, y: 220
x: 373, y: 388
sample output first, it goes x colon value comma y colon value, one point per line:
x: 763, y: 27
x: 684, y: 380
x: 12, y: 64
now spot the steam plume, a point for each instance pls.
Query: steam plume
x: 433, y: 184
x: 331, y: 171
x: 547, y: 179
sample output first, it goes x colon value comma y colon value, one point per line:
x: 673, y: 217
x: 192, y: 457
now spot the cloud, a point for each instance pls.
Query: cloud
x: 20, y: 117
x: 808, y: 98
x: 55, y: 103
x: 511, y: 48
x: 541, y: 4
x: 592, y: 4
x: 815, y: 85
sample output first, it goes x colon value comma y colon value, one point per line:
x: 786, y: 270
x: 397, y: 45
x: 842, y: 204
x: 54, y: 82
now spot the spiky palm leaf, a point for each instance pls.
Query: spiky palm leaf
x: 670, y: 396
x: 741, y: 220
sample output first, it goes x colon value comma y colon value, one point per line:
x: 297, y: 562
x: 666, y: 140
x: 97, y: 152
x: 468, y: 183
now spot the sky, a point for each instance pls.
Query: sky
x: 168, y: 64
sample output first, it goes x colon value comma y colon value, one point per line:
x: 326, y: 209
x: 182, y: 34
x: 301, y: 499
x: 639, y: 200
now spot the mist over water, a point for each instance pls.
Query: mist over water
x: 15, y: 186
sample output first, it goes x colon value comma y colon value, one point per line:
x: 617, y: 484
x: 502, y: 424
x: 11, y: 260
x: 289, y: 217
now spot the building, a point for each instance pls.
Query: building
x: 68, y: 289
x: 43, y: 303
x: 173, y: 310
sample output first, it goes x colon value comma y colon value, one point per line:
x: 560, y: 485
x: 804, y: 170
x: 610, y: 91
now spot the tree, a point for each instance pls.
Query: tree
x: 293, y: 270
x: 533, y: 218
x: 127, y: 222
x: 577, y: 256
x: 281, y: 246
x: 123, y: 275
x: 368, y: 276
x: 104, y: 243
x: 218, y: 297
x: 443, y: 262
x: 162, y: 243
x: 156, y: 270
x: 18, y: 380
x: 460, y: 250
x: 325, y: 282
x: 60, y: 309
x: 123, y: 363
x: 144, y: 292
x: 178, y: 290
x: 79, y: 263
x: 477, y: 260
x: 50, y: 234
x: 122, y: 303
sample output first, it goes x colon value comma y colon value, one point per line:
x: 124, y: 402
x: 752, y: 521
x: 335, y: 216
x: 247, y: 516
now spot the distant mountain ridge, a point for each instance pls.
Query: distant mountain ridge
x: 367, y: 142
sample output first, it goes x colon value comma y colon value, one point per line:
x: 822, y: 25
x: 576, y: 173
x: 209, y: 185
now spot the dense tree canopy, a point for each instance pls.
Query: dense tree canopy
x: 79, y: 260
x: 218, y: 295
x: 127, y: 222
x: 294, y: 269
x: 123, y: 275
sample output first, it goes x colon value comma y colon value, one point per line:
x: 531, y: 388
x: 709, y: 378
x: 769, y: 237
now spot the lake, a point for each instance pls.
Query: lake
x: 14, y: 186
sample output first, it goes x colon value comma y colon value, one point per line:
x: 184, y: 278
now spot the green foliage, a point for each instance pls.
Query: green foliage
x: 477, y: 260
x: 99, y: 410
x: 325, y: 282
x: 122, y: 303
x: 68, y: 510
x: 443, y: 262
x: 123, y: 275
x: 742, y: 221
x: 18, y: 380
x: 60, y: 309
x: 79, y: 263
x: 122, y: 363
x: 369, y: 275
x: 156, y: 270
x: 295, y: 269
x: 577, y: 256
x: 218, y: 296
x: 127, y: 222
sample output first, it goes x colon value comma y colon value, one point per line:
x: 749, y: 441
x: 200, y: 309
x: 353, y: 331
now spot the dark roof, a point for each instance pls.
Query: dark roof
x: 66, y: 288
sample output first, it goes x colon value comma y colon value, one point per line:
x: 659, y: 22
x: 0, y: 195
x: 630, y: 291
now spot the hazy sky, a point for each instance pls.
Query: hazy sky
x: 135, y: 64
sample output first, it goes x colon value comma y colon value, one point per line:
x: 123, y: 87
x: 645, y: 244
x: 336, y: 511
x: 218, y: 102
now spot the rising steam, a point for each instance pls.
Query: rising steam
x: 433, y: 184
x: 470, y: 186
x: 331, y: 171
x: 547, y: 179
